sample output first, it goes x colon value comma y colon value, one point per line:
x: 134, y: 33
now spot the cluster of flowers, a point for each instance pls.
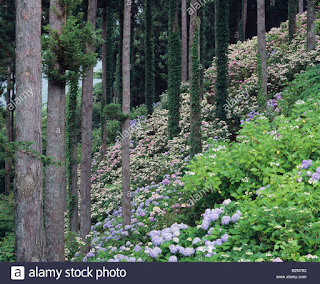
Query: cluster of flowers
x: 283, y: 61
x: 313, y: 177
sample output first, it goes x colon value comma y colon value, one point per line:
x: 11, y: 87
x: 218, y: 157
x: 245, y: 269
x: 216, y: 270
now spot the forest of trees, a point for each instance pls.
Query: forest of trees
x: 151, y: 52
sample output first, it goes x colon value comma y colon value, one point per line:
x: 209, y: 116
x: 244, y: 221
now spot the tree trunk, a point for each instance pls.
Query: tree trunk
x: 55, y: 194
x: 300, y: 6
x: 126, y: 206
x: 244, y: 19
x: 149, y: 58
x: 104, y: 82
x: 292, y: 10
x: 12, y: 112
x: 195, y: 92
x: 184, y: 42
x: 311, y: 35
x: 8, y: 128
x: 262, y: 43
x: 29, y: 230
x: 86, y: 138
x: 191, y: 33
x: 71, y: 161
x: 222, y: 43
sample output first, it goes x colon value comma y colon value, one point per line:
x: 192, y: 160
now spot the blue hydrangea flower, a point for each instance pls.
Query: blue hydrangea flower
x: 225, y: 220
x: 172, y: 258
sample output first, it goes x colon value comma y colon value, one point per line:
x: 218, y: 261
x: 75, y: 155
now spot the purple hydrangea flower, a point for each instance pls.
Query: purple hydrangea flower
x: 277, y: 259
x: 196, y: 240
x: 225, y: 220
x: 166, y: 181
x: 172, y: 258
x: 316, y: 176
x: 90, y: 254
x: 173, y: 249
x: 225, y: 237
x: 157, y: 241
x: 235, y: 217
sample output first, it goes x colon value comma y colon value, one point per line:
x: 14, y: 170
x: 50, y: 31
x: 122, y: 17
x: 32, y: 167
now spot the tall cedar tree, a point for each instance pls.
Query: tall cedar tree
x: 149, y: 56
x: 184, y: 41
x: 120, y: 55
x: 195, y: 120
x: 222, y: 41
x: 193, y: 14
x: 107, y: 70
x: 86, y: 137
x: 292, y: 11
x: 55, y: 184
x: 311, y: 33
x: 174, y: 70
x: 29, y: 229
x: 71, y: 151
x: 126, y: 196
x: 261, y: 28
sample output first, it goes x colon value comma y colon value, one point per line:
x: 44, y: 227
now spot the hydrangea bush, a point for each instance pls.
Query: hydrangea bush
x: 284, y: 60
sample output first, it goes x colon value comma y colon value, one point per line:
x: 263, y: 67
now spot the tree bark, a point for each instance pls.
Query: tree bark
x: 12, y: 112
x: 261, y: 20
x: 244, y: 18
x: 29, y: 230
x: 86, y: 138
x: 126, y: 201
x: 191, y: 33
x: 184, y: 42
x: 311, y: 34
x: 8, y: 128
x: 71, y: 149
x: 104, y: 82
x: 292, y: 11
x: 300, y: 6
x: 55, y: 194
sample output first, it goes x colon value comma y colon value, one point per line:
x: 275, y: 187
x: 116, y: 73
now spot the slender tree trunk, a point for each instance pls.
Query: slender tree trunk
x: 29, y: 230
x: 8, y: 128
x: 126, y: 202
x: 12, y: 112
x: 262, y: 43
x: 184, y: 42
x: 71, y: 143
x: 300, y: 6
x: 191, y: 33
x: 55, y: 194
x: 104, y: 82
x: 222, y: 43
x: 311, y: 35
x: 149, y: 57
x: 195, y: 107
x: 244, y: 19
x: 174, y: 70
x: 292, y: 11
x: 86, y: 138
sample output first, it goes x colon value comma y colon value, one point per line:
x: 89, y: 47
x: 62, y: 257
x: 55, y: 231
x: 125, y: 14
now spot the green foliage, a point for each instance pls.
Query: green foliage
x: 26, y: 148
x: 267, y: 151
x: 195, y: 129
x: 174, y: 72
x: 149, y: 57
x: 304, y: 85
x: 222, y: 41
x: 113, y: 112
x: 6, y: 228
x: 68, y: 49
